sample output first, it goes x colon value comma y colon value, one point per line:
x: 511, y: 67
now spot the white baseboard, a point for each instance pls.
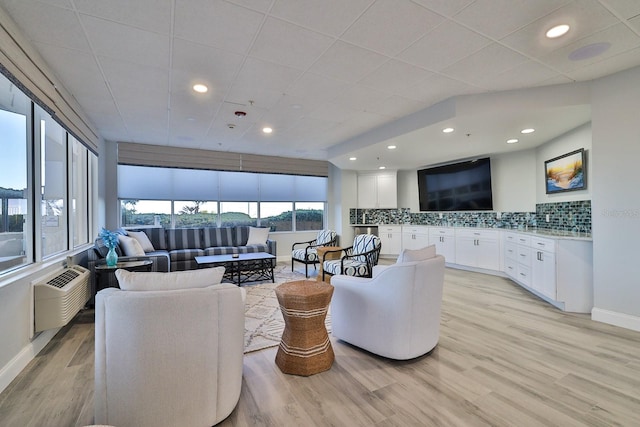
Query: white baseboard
x: 616, y: 319
x: 11, y: 370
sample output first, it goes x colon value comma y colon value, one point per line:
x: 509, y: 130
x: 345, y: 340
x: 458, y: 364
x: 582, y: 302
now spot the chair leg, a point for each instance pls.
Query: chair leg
x: 291, y: 264
x: 306, y: 270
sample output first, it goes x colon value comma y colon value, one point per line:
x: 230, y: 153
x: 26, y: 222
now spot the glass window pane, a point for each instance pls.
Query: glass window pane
x: 278, y: 216
x: 309, y: 216
x: 196, y: 213
x: 15, y: 212
x: 53, y: 149
x: 79, y: 192
x: 151, y: 213
x: 238, y: 213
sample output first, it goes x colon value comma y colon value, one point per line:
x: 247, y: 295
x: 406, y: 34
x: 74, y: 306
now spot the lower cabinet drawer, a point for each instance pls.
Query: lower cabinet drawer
x: 524, y: 275
x: 511, y: 268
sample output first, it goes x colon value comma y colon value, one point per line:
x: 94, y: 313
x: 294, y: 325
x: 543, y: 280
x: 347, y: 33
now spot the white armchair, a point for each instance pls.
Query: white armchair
x: 395, y: 314
x: 168, y: 357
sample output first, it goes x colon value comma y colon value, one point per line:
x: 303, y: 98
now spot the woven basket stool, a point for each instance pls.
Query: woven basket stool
x: 305, y: 348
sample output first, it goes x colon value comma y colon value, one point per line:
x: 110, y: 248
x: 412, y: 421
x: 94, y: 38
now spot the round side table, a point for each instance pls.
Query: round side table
x: 305, y: 348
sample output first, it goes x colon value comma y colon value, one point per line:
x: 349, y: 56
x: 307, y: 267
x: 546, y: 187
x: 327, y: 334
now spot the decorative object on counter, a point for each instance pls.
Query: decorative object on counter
x: 110, y: 240
x: 566, y: 172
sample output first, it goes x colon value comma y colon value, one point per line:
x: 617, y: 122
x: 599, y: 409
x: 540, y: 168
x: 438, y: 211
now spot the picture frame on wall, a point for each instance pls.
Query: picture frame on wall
x: 566, y: 172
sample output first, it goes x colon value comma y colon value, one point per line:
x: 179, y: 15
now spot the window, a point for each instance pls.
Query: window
x: 53, y: 183
x: 238, y: 213
x: 309, y: 216
x: 278, y: 216
x: 79, y: 192
x: 145, y: 213
x: 196, y: 213
x: 15, y: 209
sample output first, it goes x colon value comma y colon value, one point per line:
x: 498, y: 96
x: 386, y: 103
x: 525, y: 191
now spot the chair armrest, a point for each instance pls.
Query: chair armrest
x: 308, y: 243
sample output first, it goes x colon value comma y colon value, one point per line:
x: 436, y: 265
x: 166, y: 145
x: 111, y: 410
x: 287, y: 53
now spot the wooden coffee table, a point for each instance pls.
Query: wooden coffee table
x: 255, y: 266
x: 305, y: 348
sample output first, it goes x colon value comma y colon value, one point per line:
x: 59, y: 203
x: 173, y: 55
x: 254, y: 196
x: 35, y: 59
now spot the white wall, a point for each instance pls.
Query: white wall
x: 571, y: 141
x: 615, y: 198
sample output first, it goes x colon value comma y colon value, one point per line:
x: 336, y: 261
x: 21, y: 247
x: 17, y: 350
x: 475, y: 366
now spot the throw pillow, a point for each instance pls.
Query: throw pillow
x: 156, y: 281
x: 143, y: 239
x: 258, y: 236
x: 409, y: 255
x: 130, y: 246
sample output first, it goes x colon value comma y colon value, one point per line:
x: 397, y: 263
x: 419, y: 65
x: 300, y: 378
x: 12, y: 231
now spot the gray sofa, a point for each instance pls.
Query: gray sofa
x: 176, y: 248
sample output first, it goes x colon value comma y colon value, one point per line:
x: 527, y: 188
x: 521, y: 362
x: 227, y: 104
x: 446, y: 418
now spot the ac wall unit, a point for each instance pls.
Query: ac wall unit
x: 59, y: 296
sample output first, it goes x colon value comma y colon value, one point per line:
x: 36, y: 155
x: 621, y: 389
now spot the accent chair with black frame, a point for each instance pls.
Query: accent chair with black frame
x: 306, y: 252
x: 358, y: 259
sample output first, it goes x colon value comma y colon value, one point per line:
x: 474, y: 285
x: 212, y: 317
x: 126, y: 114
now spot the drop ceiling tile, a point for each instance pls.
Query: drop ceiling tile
x: 445, y: 7
x: 125, y: 80
x: 635, y: 24
x: 396, y: 106
x: 332, y: 112
x: 492, y: 59
x: 258, y: 5
x: 48, y: 24
x: 358, y: 97
x: 347, y: 62
x: 497, y: 18
x: 315, y: 89
x: 625, y: 8
x: 215, y: 67
x: 437, y: 88
x: 216, y: 23
x: 185, y: 100
x: 610, y: 65
x: 150, y: 15
x: 289, y: 44
x: 394, y: 76
x: 620, y: 37
x: 328, y: 16
x: 584, y: 21
x: 256, y: 73
x: 526, y: 74
x: 445, y: 45
x: 127, y: 43
x: 389, y: 26
x: 264, y: 98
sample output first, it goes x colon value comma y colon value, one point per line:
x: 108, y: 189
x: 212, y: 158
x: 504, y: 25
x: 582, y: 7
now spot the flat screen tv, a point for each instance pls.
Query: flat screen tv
x: 463, y: 186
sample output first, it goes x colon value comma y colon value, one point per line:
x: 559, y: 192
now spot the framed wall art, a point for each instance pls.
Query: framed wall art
x: 566, y: 172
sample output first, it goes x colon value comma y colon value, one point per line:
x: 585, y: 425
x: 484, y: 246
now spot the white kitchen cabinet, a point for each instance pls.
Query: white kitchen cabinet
x: 378, y: 190
x: 478, y: 248
x: 445, y: 241
x: 391, y: 239
x: 543, y: 266
x: 415, y: 237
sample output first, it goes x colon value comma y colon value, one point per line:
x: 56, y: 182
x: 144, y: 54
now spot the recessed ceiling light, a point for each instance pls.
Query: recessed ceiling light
x: 558, y: 31
x: 267, y: 130
x: 391, y: 147
x: 512, y: 141
x: 528, y: 130
x: 447, y: 130
x: 589, y: 51
x: 382, y: 167
x: 352, y: 158
x: 200, y: 88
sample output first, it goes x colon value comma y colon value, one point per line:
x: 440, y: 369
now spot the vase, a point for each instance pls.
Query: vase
x: 112, y: 257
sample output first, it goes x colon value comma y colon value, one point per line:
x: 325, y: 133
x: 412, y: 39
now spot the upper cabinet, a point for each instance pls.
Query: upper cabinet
x: 378, y: 190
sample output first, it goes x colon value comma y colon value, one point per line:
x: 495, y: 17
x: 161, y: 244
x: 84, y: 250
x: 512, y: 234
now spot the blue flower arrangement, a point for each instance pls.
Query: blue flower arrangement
x: 109, y: 238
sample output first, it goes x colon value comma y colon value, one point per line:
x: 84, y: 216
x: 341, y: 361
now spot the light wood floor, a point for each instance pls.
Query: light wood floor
x: 504, y: 358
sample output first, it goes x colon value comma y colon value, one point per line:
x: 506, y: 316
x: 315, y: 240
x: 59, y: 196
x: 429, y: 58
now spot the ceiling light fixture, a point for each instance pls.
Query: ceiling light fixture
x: 528, y: 130
x: 557, y: 31
x: 267, y: 130
x: 382, y: 167
x: 512, y: 141
x: 447, y: 130
x: 200, y: 88
x: 353, y: 158
x: 240, y: 114
x: 391, y: 147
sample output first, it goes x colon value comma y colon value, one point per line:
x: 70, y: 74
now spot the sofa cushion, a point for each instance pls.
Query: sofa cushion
x: 143, y: 239
x: 299, y: 254
x: 185, y: 254
x: 410, y: 255
x: 221, y: 250
x: 157, y: 237
x: 218, y: 236
x: 130, y: 246
x: 184, y: 238
x: 257, y: 236
x: 352, y: 267
x: 150, y: 281
x: 252, y: 249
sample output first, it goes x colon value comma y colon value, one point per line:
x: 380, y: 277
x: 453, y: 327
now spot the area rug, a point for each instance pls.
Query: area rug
x: 263, y: 322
